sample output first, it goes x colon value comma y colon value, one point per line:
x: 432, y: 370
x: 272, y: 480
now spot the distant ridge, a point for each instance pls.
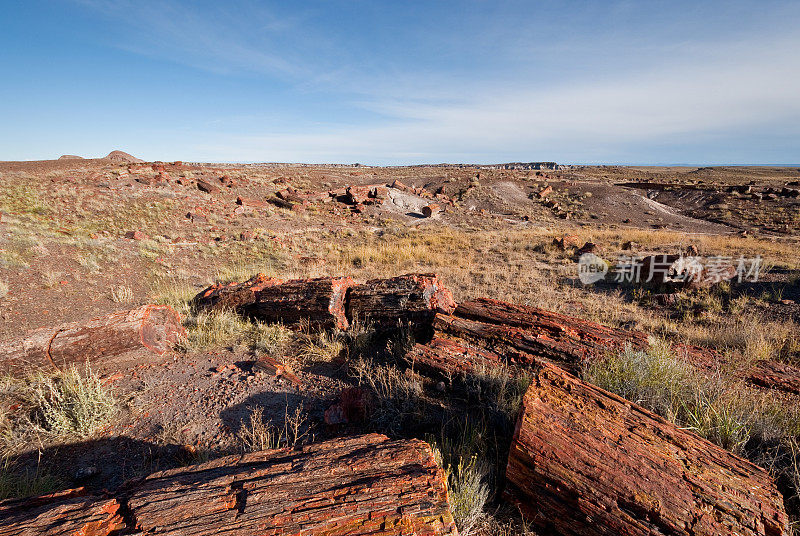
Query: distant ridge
x: 123, y: 158
x: 70, y: 157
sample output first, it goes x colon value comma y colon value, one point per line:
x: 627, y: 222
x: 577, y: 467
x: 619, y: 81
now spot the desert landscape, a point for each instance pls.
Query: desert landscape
x: 348, y: 268
x: 197, y: 348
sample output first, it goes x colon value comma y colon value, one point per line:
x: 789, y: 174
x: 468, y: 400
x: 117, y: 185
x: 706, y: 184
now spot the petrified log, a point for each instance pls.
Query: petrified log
x: 523, y: 333
x: 154, y: 327
x: 66, y: 513
x: 775, y: 375
x: 680, y: 271
x: 447, y: 359
x: 586, y: 462
x: 233, y: 295
x: 319, y: 301
x: 348, y: 486
x: 411, y: 299
x: 429, y: 210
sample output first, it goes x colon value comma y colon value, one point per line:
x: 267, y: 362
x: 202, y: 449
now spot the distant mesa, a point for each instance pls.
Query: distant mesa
x: 70, y: 157
x: 123, y: 157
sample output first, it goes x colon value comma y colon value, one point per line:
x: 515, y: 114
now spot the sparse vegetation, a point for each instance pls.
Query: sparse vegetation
x: 257, y: 433
x: 43, y: 409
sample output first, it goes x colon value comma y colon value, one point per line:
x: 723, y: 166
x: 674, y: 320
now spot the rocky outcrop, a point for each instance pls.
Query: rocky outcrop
x: 586, y: 462
x: 121, y: 157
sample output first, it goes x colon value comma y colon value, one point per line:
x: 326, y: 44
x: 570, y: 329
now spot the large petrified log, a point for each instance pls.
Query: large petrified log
x: 411, y: 299
x: 319, y: 301
x: 357, y: 485
x: 775, y: 375
x: 233, y: 295
x: 152, y: 327
x: 524, y: 333
x: 586, y: 462
x: 362, y: 485
x: 66, y: 513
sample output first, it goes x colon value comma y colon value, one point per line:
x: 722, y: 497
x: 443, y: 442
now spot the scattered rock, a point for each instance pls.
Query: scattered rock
x: 136, y: 235
x: 207, y: 187
x: 588, y: 247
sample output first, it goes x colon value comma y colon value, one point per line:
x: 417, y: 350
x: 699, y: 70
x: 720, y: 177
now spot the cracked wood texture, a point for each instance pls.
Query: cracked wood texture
x: 412, y: 299
x: 66, y: 513
x: 233, y: 296
x: 348, y: 486
x: 319, y: 301
x: 586, y: 462
x: 446, y: 358
x: 152, y: 327
x: 522, y: 335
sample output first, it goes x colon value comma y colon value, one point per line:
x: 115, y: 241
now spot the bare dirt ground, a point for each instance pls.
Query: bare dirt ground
x: 64, y: 256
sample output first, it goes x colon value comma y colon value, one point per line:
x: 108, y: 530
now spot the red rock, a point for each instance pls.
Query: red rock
x: 135, y: 235
x: 249, y: 202
x: 775, y: 375
x: 357, y: 195
x: 272, y: 366
x: 584, y: 461
x: 355, y: 486
x: 207, y: 187
x: 544, y: 192
x: 588, y: 247
x: 155, y: 328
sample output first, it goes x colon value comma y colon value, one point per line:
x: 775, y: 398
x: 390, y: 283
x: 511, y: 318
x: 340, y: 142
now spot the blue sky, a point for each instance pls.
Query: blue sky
x: 639, y: 82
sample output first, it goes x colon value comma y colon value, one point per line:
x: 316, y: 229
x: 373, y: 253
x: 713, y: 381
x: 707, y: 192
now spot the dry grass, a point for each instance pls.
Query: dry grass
x: 121, y: 294
x: 258, y: 434
x: 50, y: 409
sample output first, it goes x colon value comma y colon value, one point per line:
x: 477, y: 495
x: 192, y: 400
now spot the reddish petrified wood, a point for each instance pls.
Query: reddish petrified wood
x: 447, y: 358
x: 411, y: 299
x: 154, y: 327
x: 429, y: 210
x: 319, y: 301
x: 775, y: 375
x: 66, y: 513
x: 363, y: 485
x: 524, y: 333
x: 586, y: 462
x: 233, y: 295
